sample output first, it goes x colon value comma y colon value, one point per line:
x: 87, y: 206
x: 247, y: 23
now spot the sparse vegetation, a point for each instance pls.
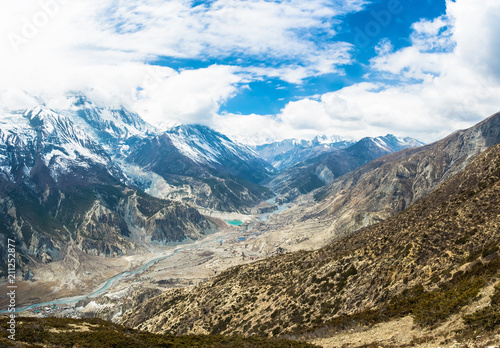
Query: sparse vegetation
x: 96, y: 333
x: 150, y: 206
x: 406, y: 265
x: 487, y: 318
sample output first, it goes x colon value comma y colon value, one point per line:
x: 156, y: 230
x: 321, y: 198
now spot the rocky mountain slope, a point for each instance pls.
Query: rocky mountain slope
x: 318, y: 171
x: 205, y: 168
x: 58, y: 186
x: 378, y: 190
x: 436, y: 263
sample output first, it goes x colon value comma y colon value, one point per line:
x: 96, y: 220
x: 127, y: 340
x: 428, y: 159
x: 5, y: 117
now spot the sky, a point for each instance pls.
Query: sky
x: 261, y: 70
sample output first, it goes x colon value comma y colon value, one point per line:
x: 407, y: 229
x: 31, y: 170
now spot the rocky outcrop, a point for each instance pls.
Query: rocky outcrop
x: 112, y: 307
x: 165, y: 221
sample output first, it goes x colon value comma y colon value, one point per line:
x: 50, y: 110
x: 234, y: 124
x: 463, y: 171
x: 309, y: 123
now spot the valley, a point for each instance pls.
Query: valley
x: 81, y: 278
x: 185, y: 232
x: 250, y: 174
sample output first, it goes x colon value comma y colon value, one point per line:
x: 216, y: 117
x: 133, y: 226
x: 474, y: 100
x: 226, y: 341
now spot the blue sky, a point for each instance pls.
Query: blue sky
x: 271, y: 95
x: 259, y: 69
x: 374, y: 21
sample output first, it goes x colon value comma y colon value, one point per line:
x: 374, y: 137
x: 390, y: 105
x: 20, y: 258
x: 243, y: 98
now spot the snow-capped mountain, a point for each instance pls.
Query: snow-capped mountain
x: 289, y: 152
x: 321, y: 170
x: 77, y: 141
x: 370, y: 148
x: 41, y: 139
x: 204, y: 167
x: 329, y: 139
x: 206, y: 146
x: 108, y: 124
x: 392, y: 143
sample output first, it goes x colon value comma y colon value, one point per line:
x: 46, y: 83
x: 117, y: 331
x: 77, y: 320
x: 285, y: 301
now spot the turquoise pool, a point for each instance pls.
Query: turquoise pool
x: 235, y: 222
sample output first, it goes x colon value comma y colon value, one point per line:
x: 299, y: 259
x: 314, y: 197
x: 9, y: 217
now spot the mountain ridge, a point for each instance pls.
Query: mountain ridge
x: 379, y: 189
x: 222, y: 175
x: 322, y: 170
x: 444, y: 249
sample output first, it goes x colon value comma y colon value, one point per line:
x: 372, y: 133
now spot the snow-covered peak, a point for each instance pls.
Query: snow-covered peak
x: 302, y: 142
x: 385, y: 144
x: 55, y: 127
x: 329, y: 139
x: 15, y: 133
x: 109, y: 124
x: 391, y: 143
x: 41, y: 113
x: 42, y: 133
x: 204, y: 145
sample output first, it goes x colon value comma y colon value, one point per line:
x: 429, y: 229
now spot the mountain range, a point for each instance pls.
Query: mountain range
x: 59, y: 186
x: 106, y: 181
x: 333, y: 161
x: 287, y: 153
x: 397, y: 231
x: 433, y: 269
x: 379, y: 189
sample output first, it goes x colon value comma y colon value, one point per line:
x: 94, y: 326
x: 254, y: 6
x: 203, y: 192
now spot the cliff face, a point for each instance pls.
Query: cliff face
x: 100, y: 220
x: 428, y: 262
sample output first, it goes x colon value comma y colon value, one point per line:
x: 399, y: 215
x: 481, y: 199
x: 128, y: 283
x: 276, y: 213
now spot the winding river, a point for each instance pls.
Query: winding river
x: 106, y: 285
x: 111, y: 280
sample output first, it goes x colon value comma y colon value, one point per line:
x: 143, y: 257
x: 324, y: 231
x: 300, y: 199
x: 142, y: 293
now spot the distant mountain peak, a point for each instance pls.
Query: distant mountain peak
x: 330, y: 139
x: 286, y: 153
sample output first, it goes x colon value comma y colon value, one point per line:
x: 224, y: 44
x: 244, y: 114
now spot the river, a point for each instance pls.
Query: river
x: 70, y: 300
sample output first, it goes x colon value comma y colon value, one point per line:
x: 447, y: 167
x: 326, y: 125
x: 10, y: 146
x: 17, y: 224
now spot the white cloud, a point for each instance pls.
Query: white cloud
x: 104, y: 48
x: 260, y: 129
x: 384, y: 47
x: 192, y: 96
x: 446, y: 80
x: 433, y: 35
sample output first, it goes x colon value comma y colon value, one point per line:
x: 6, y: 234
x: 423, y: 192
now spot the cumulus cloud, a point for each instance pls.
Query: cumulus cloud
x: 105, y: 48
x: 193, y: 96
x: 447, y: 79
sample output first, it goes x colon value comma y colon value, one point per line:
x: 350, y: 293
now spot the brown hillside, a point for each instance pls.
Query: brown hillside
x: 378, y: 190
x: 96, y: 333
x: 428, y: 262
